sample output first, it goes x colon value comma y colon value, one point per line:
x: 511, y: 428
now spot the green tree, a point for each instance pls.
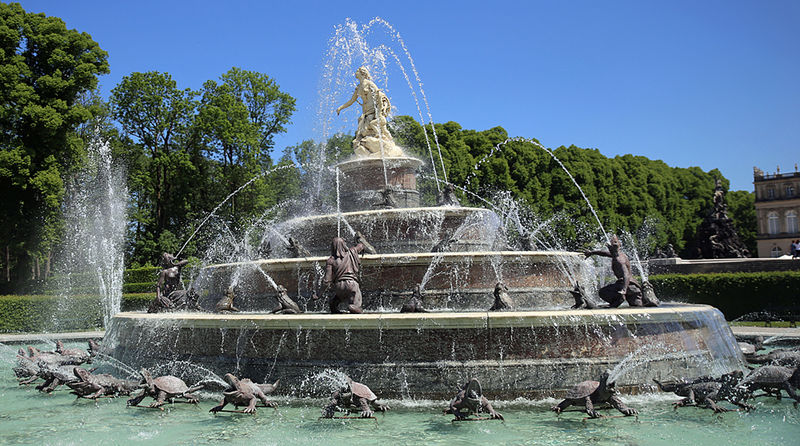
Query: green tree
x: 188, y: 151
x: 239, y: 118
x: 44, y: 70
x: 158, y: 118
x: 742, y: 210
x: 625, y: 191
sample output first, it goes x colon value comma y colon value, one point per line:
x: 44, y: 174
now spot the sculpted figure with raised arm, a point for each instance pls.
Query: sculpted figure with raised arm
x: 372, y: 136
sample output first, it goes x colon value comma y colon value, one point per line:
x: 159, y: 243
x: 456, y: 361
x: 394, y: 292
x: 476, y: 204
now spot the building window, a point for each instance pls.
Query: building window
x: 770, y: 193
x: 773, y: 223
x: 789, y: 191
x: 776, y: 251
x: 791, y: 222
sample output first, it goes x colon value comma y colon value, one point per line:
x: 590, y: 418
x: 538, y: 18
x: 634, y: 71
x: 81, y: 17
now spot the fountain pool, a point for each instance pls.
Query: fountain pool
x: 28, y: 417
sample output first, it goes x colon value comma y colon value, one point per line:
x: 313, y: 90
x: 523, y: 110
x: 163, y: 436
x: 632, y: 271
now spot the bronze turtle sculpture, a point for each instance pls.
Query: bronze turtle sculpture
x: 93, y: 386
x: 470, y: 400
x: 244, y: 392
x: 354, y: 395
x: 749, y: 350
x: 589, y: 393
x: 163, y: 388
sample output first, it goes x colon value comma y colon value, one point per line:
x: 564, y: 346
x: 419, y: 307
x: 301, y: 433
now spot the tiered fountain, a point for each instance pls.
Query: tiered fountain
x: 456, y: 254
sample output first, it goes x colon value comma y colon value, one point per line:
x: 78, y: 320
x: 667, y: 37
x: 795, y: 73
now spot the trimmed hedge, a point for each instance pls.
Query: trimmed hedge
x: 41, y: 313
x: 735, y: 294
x: 141, y: 275
x: 148, y: 287
x: 150, y: 274
x: 137, y: 301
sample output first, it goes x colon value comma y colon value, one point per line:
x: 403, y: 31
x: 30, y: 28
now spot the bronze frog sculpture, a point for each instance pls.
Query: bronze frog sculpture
x: 414, y: 303
x: 502, y: 301
x: 225, y: 304
x: 296, y: 249
x: 93, y: 386
x: 470, y: 400
x: 285, y: 303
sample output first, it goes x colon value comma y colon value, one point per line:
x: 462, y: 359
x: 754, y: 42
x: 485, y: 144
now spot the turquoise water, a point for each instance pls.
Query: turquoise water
x: 29, y: 417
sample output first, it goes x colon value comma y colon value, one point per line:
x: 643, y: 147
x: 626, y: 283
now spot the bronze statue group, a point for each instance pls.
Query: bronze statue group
x: 778, y: 370
x: 341, y: 282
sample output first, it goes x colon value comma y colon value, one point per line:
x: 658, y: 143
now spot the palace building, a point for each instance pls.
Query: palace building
x: 777, y: 211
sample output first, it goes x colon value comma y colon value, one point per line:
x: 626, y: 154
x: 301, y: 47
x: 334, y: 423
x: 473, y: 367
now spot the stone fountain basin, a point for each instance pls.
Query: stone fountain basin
x: 401, y: 230
x: 529, y: 354
x: 452, y: 280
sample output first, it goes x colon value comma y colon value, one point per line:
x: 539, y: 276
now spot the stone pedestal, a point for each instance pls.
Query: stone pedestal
x: 362, y: 182
x: 531, y: 354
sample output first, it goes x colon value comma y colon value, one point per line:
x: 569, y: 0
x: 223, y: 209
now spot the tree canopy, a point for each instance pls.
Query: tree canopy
x: 189, y: 150
x: 45, y: 69
x: 625, y: 191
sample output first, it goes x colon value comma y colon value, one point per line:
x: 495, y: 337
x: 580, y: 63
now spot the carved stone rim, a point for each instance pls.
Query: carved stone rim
x: 420, y: 258
x: 391, y: 162
x: 390, y: 213
x: 438, y: 320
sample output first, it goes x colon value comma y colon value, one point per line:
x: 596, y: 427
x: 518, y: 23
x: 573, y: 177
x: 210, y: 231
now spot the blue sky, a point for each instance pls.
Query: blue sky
x: 693, y: 83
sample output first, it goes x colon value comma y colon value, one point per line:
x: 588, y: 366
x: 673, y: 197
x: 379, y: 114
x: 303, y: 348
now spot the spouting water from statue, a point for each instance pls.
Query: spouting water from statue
x: 456, y: 254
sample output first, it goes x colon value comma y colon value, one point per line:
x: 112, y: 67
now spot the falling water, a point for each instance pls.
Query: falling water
x: 402, y: 43
x: 213, y: 212
x: 90, y: 261
x: 498, y: 147
x: 338, y: 207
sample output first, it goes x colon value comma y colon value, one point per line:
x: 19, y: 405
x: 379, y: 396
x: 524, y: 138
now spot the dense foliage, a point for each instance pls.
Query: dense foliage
x: 45, y: 69
x: 188, y: 150
x: 624, y: 190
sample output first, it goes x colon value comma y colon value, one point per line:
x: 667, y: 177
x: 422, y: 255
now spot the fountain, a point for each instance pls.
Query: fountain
x: 456, y: 255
